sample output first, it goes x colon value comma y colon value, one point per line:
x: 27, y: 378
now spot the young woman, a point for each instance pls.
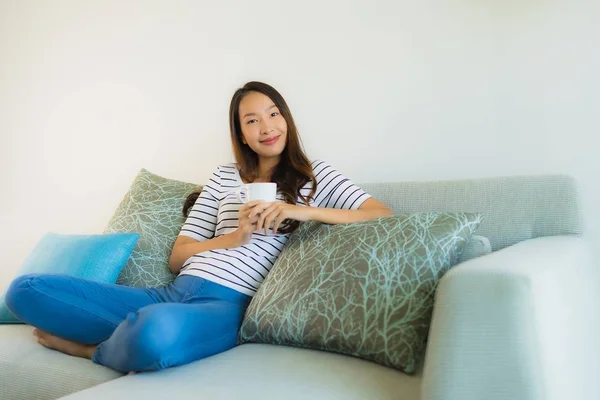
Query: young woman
x: 224, y: 251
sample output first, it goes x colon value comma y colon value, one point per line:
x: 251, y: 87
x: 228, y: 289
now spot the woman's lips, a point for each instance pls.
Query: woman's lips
x: 270, y: 141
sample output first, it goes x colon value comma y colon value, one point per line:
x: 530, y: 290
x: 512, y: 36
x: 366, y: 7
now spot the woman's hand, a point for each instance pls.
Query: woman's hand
x: 247, y: 220
x: 275, y: 213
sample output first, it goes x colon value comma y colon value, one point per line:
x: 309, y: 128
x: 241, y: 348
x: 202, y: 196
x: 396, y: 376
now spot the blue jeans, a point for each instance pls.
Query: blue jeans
x: 136, y: 329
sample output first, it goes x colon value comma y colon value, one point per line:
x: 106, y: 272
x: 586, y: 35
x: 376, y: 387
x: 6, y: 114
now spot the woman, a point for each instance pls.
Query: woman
x: 222, y: 254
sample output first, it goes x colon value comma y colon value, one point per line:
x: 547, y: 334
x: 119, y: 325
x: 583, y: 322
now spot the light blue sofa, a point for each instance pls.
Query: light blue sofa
x: 493, y: 333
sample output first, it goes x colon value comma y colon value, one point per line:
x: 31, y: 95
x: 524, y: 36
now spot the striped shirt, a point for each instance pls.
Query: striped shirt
x: 215, y: 213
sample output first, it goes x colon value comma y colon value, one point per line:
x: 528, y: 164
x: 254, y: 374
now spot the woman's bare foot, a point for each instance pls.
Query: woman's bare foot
x: 63, y: 345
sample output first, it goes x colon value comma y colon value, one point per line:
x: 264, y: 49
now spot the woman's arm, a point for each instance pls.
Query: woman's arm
x: 185, y: 247
x: 275, y: 213
x: 335, y: 200
x: 370, y: 209
x: 198, y: 231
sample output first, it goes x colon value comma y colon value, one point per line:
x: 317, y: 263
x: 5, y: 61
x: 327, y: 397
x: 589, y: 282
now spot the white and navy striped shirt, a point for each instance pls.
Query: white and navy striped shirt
x: 215, y: 213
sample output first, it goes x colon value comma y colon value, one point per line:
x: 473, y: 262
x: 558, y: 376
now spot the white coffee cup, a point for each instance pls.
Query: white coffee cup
x: 265, y: 191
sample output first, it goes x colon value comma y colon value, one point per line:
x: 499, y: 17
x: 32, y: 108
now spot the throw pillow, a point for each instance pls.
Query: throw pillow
x: 478, y: 246
x: 364, y: 289
x: 152, y: 207
x: 97, y: 257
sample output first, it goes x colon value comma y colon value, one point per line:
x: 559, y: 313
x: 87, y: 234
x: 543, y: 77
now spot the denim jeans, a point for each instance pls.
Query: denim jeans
x: 135, y: 329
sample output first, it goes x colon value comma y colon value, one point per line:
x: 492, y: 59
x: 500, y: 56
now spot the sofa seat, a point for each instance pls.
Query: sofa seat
x: 261, y: 371
x: 30, y: 371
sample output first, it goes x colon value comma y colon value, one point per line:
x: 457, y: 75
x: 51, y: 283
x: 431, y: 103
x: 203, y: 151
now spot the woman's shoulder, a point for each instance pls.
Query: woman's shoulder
x: 319, y: 166
x: 318, y: 163
x: 223, y: 174
x: 226, y: 168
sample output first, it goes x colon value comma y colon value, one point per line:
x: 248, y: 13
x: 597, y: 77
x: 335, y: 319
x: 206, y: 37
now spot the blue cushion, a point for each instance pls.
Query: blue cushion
x: 96, y: 257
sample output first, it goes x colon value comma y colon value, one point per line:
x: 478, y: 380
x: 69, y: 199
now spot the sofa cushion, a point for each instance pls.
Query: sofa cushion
x: 30, y: 371
x: 153, y: 208
x: 478, y: 246
x: 264, y: 372
x: 96, y: 257
x: 516, y: 208
x: 363, y: 289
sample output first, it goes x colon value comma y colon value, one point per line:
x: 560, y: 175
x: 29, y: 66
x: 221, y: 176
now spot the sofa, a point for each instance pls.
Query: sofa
x: 496, y: 326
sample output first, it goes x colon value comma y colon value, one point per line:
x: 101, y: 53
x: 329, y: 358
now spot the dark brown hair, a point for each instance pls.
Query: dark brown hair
x: 294, y: 169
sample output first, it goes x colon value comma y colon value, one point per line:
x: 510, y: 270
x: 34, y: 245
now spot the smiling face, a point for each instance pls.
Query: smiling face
x: 263, y: 127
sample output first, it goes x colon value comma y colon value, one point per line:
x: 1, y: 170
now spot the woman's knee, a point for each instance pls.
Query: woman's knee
x: 17, y: 291
x: 154, y: 333
x: 164, y: 335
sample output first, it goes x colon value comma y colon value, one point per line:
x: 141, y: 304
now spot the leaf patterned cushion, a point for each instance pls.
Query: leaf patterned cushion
x: 364, y: 289
x: 152, y: 207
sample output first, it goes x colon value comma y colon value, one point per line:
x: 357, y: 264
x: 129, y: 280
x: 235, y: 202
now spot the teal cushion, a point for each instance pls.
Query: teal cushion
x: 96, y: 257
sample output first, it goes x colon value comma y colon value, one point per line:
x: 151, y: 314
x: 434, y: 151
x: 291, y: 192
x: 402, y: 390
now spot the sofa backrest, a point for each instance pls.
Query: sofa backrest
x: 514, y: 208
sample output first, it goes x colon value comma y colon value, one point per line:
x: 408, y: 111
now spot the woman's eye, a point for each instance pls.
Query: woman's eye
x: 252, y: 121
x: 274, y: 114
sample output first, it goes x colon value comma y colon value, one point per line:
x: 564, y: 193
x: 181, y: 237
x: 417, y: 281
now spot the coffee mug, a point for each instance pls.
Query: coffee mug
x: 265, y: 191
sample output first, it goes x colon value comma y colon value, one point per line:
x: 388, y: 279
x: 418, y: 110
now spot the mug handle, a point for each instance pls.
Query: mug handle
x: 242, y: 190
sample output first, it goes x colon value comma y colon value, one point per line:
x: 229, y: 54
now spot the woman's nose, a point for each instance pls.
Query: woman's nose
x: 266, y: 127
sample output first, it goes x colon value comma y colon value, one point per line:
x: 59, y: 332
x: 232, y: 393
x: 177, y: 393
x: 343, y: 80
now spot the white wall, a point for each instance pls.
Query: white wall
x: 92, y: 91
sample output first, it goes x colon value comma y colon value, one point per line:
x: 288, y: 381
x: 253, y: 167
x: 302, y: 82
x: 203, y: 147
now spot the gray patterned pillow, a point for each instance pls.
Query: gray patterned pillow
x: 364, y: 289
x: 152, y: 207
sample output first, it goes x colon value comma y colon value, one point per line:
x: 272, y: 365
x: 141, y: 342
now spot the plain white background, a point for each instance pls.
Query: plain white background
x: 92, y: 91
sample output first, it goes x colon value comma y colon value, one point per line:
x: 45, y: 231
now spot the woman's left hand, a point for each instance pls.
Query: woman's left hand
x: 275, y: 213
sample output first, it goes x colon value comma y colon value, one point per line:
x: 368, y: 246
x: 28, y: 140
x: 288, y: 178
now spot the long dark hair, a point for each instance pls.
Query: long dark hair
x: 294, y: 169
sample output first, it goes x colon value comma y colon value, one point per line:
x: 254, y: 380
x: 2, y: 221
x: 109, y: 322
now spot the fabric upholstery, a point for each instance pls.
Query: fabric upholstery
x: 152, y: 207
x: 515, y: 324
x: 478, y: 246
x: 264, y: 372
x: 514, y: 208
x: 30, y: 371
x: 363, y: 289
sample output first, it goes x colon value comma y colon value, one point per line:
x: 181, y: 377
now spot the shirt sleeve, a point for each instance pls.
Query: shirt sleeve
x: 202, y: 220
x: 334, y: 190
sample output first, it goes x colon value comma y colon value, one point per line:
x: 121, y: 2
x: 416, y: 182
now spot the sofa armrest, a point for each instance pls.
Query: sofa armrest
x: 516, y: 324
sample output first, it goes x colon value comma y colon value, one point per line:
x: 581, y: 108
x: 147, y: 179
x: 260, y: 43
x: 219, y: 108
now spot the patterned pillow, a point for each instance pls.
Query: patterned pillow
x: 151, y: 207
x: 364, y: 289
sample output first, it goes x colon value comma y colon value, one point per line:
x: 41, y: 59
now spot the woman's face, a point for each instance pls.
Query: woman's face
x: 263, y: 127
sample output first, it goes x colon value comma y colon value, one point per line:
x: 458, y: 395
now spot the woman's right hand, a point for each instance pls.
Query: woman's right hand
x: 247, y: 220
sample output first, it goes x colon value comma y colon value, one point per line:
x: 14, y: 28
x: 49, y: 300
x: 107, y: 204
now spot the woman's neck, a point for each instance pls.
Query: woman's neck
x: 265, y: 169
